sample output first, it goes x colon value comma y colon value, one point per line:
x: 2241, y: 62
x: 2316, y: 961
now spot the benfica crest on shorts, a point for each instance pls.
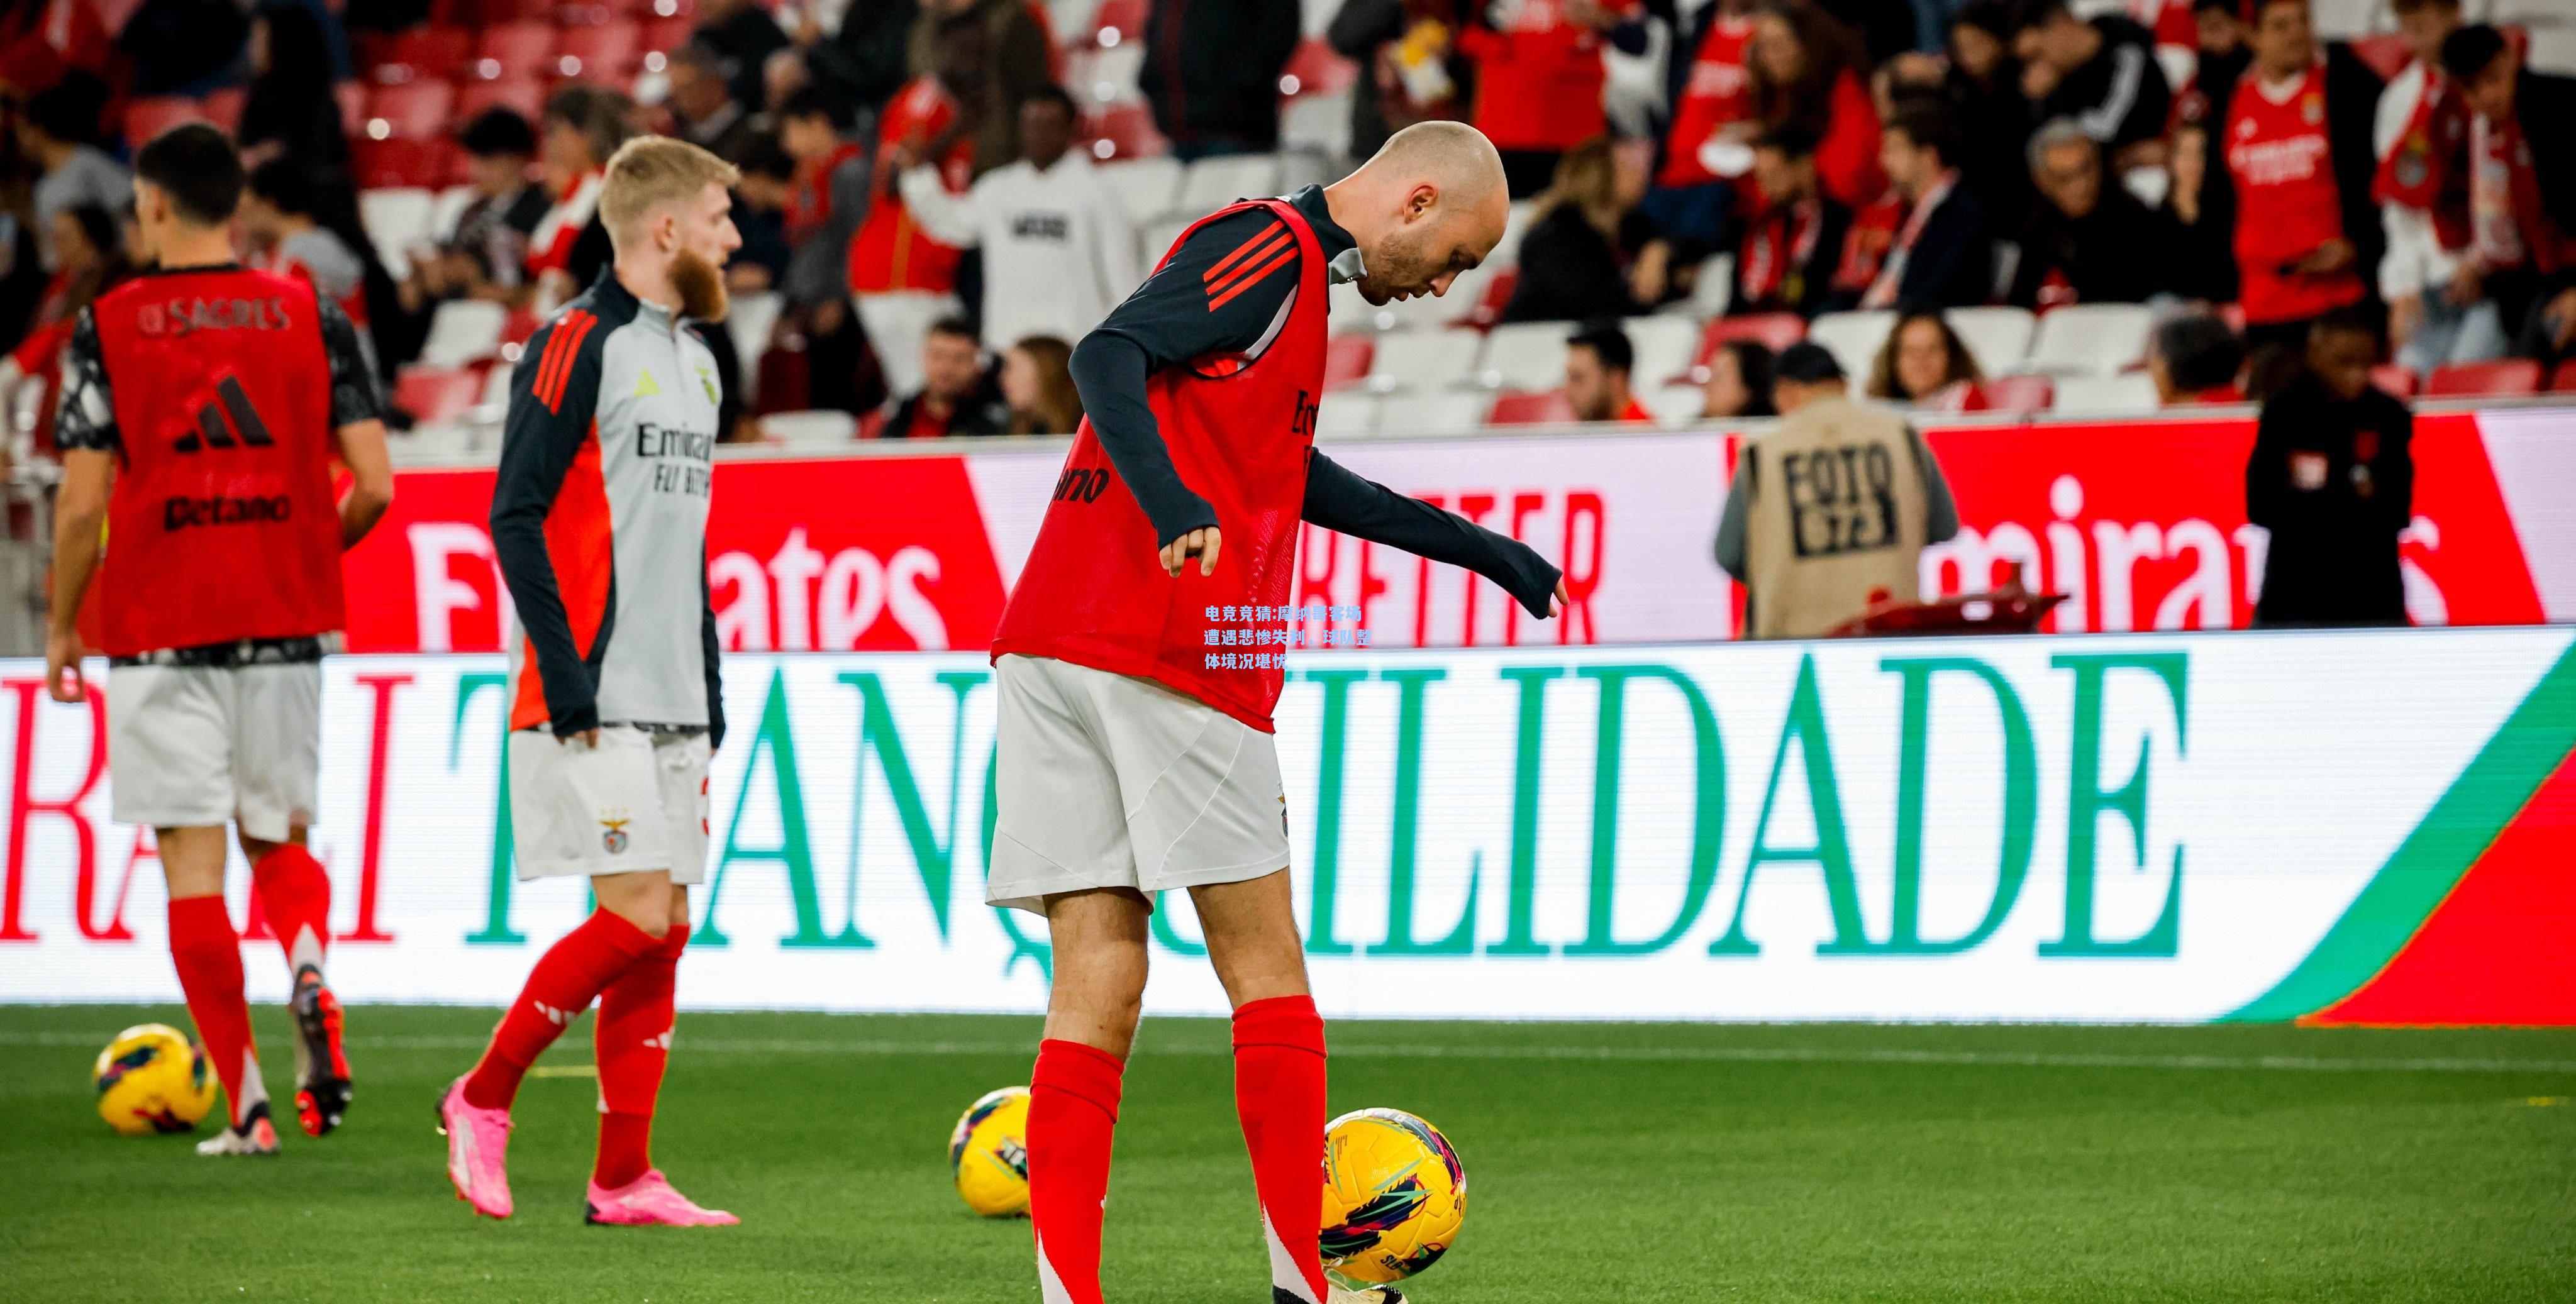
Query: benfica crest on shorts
x: 612, y: 835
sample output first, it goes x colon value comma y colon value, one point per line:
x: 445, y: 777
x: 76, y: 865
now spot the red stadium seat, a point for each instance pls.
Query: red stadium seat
x: 2563, y: 380
x: 224, y: 106
x: 150, y: 116
x: 1118, y: 20
x: 665, y: 34
x: 1517, y: 407
x: 425, y: 52
x: 682, y: 9
x: 607, y: 50
x: 2394, y: 379
x: 402, y: 161
x: 1346, y: 360
x: 1124, y: 131
x: 1315, y: 69
x: 514, y: 50
x: 352, y: 99
x: 2018, y: 393
x: 1497, y: 296
x: 525, y: 95
x: 1773, y: 330
x: 414, y: 108
x: 495, y: 12
x: 2505, y: 378
x: 434, y: 394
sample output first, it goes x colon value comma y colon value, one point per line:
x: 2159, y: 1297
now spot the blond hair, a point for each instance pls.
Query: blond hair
x: 650, y: 171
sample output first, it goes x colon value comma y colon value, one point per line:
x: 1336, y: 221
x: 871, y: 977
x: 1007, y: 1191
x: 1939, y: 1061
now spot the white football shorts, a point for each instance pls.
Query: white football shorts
x: 636, y: 802
x: 1110, y: 781
x: 197, y: 746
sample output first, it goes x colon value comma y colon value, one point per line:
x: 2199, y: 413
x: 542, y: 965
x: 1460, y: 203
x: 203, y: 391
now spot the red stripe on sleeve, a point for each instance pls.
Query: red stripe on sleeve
x: 1248, y: 280
x: 562, y: 376
x: 546, y: 361
x: 1247, y: 251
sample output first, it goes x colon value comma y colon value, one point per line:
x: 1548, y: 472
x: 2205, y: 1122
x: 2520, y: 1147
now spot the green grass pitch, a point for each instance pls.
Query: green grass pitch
x: 1616, y: 1163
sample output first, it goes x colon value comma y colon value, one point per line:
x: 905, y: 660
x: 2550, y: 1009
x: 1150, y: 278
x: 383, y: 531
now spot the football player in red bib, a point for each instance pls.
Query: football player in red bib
x: 1143, y: 648
x: 213, y: 399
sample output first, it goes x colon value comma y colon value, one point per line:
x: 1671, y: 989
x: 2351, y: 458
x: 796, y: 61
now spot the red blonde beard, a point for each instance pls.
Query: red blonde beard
x: 700, y: 285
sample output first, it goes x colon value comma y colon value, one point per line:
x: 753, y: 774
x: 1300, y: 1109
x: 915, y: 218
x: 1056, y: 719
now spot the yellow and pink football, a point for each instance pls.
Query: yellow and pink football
x: 1394, y: 1197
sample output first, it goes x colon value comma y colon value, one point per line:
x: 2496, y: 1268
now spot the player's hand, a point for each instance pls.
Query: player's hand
x: 1203, y: 542
x: 63, y: 655
x: 587, y: 738
x: 1561, y: 600
x: 2331, y: 257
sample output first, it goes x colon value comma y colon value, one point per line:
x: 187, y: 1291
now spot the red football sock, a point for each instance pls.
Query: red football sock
x: 1279, y: 1092
x: 567, y: 978
x: 633, y: 1040
x: 295, y: 893
x: 208, y: 953
x: 1073, y: 1111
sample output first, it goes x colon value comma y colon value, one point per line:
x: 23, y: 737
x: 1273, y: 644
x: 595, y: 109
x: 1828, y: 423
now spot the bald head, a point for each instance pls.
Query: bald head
x: 1430, y: 204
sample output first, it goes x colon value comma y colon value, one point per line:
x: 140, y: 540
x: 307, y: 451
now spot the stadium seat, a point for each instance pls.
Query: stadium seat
x: 2553, y: 49
x: 2099, y: 339
x: 223, y: 106
x: 1317, y: 122
x: 1117, y: 22
x: 2130, y: 394
x: 396, y: 219
x: 1315, y: 69
x: 1161, y: 235
x: 514, y: 50
x: 2563, y: 380
x: 810, y: 429
x: 425, y: 52
x: 1300, y: 168
x: 1351, y: 412
x: 495, y: 12
x: 1412, y: 414
x: 2504, y: 378
x: 431, y: 445
x: 525, y: 95
x: 607, y: 50
x: 1528, y: 355
x: 1212, y: 183
x: 1516, y: 407
x: 1674, y: 405
x: 433, y: 395
x: 1346, y: 360
x: 665, y: 33
x: 401, y: 161
x: 1423, y: 361
x: 1124, y: 131
x: 750, y: 321
x: 2017, y: 393
x: 149, y: 116
x: 1998, y: 338
x: 1664, y: 348
x: 2343, y: 19
x: 412, y: 108
x: 1772, y: 330
x: 1713, y: 291
x: 1148, y: 188
x: 1494, y: 297
x: 2394, y: 379
x: 1109, y: 76
x: 1854, y: 338
x: 463, y: 331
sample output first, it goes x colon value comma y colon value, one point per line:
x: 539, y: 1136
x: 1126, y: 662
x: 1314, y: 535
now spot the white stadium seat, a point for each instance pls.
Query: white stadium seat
x: 1317, y: 122
x: 1109, y: 76
x: 1854, y: 338
x: 1674, y: 405
x: 2104, y: 395
x: 1528, y: 355
x: 809, y: 429
x: 463, y: 331
x: 1664, y: 347
x: 1160, y: 236
x: 1411, y: 414
x: 2098, y: 339
x: 896, y: 325
x: 1300, y: 168
x: 1998, y: 338
x: 448, y: 210
x: 396, y: 219
x: 2344, y: 19
x: 1714, y: 292
x: 750, y: 320
x: 1148, y: 188
x: 2553, y: 49
x: 1347, y: 413
x: 1213, y: 183
x: 1422, y: 361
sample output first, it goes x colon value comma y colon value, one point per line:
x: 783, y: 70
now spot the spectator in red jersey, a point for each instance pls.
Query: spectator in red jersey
x: 951, y: 400
x: 899, y: 276
x: 2194, y: 359
x: 2332, y: 477
x: 1806, y: 72
x: 2198, y: 210
x: 1576, y: 259
x: 1739, y: 382
x: 1009, y: 52
x: 1710, y: 90
x: 2522, y: 187
x: 1942, y: 254
x: 1794, y: 239
x: 1924, y: 363
x: 1598, y: 359
x: 1538, y: 81
x: 2101, y: 73
x: 2086, y: 242
x: 2298, y: 150
x: 2436, y: 315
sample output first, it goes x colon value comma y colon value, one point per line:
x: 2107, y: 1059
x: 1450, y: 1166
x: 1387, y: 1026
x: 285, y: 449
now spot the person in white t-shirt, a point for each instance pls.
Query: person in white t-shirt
x: 1059, y: 252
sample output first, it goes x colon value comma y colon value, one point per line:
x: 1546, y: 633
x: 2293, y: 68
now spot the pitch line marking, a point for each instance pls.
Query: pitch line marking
x: 1681, y: 1054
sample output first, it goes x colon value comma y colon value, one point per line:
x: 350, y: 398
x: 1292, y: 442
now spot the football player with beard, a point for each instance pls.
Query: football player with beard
x: 599, y: 518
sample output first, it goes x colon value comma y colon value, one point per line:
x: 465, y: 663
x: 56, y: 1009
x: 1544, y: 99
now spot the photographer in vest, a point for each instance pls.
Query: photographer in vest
x: 1836, y: 501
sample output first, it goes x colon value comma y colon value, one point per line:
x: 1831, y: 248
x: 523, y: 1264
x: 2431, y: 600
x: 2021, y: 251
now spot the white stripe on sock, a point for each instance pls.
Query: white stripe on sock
x: 1284, y: 1273
x: 1050, y: 1288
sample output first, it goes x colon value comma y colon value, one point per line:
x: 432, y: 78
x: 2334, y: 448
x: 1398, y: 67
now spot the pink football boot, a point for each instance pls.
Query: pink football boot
x: 649, y: 1201
x: 478, y: 1151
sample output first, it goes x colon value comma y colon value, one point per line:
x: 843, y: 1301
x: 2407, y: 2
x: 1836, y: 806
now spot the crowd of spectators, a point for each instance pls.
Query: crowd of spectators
x: 920, y: 191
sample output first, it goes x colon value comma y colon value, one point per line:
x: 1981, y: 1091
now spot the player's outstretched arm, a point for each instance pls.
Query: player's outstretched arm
x: 357, y: 426
x: 554, y: 391
x: 1339, y: 500
x: 80, y: 513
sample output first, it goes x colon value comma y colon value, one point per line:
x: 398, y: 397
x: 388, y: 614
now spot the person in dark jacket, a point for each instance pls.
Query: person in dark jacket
x: 1573, y: 260
x: 1212, y: 73
x: 2088, y: 242
x: 2530, y: 113
x: 2333, y: 479
x: 1943, y: 255
x: 861, y: 65
x: 2101, y: 73
x: 1406, y: 76
x: 745, y: 35
x: 291, y: 110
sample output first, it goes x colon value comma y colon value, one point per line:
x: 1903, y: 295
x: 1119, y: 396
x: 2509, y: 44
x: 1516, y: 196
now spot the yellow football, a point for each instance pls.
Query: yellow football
x: 1394, y: 1196
x: 989, y: 1154
x: 152, y: 1079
